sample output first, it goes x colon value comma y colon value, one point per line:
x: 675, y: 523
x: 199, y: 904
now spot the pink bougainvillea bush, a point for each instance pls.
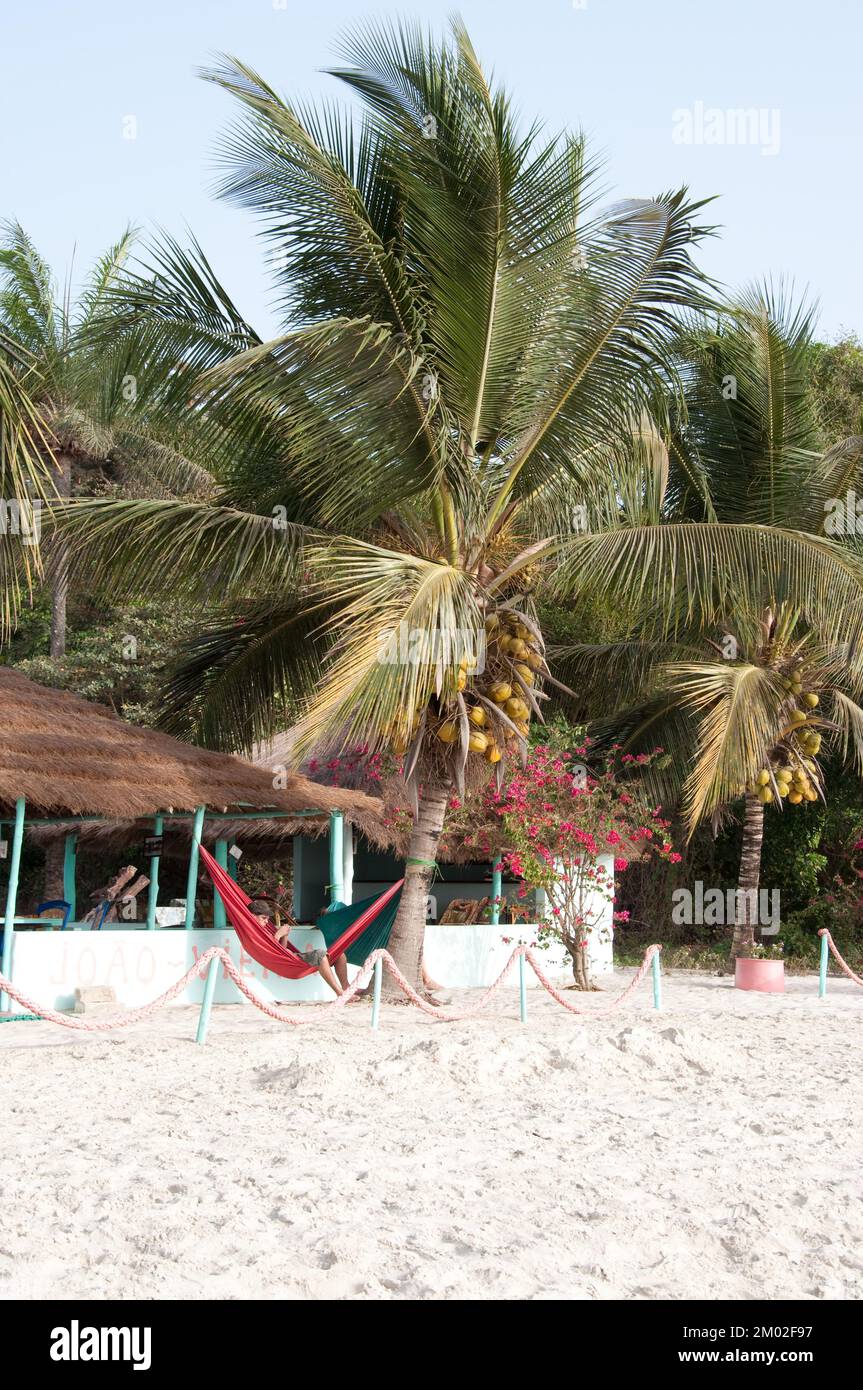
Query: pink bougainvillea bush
x: 561, y: 816
x: 553, y: 823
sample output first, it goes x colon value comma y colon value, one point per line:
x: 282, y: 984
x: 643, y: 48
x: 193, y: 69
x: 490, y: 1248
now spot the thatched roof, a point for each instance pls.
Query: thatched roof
x: 67, y: 756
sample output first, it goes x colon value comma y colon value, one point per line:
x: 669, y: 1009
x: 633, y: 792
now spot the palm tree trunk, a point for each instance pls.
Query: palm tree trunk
x: 52, y: 886
x: 749, y: 878
x: 60, y: 582
x: 406, y: 941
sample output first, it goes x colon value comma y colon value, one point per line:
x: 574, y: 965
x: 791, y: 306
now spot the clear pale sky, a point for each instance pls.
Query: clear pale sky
x: 70, y: 73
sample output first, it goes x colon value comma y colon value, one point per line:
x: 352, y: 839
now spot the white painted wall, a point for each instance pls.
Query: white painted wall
x: 460, y: 957
x: 140, y: 965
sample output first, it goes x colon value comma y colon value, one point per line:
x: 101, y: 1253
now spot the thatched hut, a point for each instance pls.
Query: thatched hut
x: 74, y: 774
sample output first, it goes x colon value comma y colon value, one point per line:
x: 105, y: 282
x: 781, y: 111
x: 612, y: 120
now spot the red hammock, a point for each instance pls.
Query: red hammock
x: 256, y: 933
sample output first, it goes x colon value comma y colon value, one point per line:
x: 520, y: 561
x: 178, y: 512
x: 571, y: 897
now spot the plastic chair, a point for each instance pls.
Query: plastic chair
x: 55, y: 903
x: 101, y: 913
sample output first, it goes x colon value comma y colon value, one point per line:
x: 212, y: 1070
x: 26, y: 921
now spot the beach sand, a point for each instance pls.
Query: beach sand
x: 712, y: 1150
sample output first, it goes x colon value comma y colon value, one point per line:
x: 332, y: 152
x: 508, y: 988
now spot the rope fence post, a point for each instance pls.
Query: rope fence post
x: 376, y: 993
x: 207, y: 1001
x: 822, y: 967
x: 657, y: 981
x: 522, y: 991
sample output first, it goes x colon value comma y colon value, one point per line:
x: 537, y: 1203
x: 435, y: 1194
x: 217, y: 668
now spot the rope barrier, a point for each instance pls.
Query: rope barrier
x: 843, y: 964
x: 103, y: 1025
x: 216, y: 954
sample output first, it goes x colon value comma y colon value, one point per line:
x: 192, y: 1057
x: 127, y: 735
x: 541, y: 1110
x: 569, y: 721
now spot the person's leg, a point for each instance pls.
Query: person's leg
x: 326, y: 973
x: 341, y: 968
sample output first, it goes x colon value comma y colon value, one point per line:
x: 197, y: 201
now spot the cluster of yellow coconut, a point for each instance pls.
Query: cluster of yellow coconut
x: 513, y: 660
x: 795, y: 784
x: 792, y: 782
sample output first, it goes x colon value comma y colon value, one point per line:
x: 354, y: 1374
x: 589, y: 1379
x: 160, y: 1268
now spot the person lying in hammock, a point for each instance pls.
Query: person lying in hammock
x: 337, y: 978
x: 334, y: 972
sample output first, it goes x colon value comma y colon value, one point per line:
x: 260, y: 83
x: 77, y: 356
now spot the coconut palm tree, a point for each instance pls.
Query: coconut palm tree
x: 743, y: 703
x: 80, y: 390
x: 428, y: 446
x: 24, y: 479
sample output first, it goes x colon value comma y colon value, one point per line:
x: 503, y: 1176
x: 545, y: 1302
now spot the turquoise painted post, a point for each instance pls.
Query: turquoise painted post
x: 496, y: 890
x: 822, y: 968
x: 657, y: 982
x: 220, y: 921
x: 153, y: 892
x: 207, y: 1001
x: 337, y: 850
x: 70, y: 853
x: 376, y: 993
x: 522, y: 991
x: 299, y: 875
x: 12, y: 898
x: 192, y: 880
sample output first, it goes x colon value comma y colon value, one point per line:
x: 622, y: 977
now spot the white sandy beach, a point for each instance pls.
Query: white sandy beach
x: 711, y: 1150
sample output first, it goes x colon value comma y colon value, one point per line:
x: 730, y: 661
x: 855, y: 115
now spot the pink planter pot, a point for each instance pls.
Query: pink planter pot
x: 768, y: 976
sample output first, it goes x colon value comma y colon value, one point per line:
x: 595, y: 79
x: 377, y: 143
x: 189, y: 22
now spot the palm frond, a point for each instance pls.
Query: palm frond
x: 736, y: 709
x: 302, y: 175
x: 197, y: 550
x: 682, y: 574
x: 602, y: 352
x: 400, y: 626
x: 848, y: 716
x: 240, y: 682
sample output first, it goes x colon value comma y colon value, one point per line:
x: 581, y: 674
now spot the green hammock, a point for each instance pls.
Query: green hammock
x: 336, y: 920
